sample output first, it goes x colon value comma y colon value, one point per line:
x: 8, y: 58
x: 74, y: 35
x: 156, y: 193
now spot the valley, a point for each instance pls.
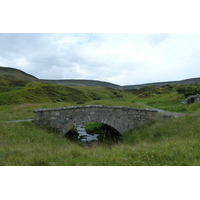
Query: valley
x: 169, y: 141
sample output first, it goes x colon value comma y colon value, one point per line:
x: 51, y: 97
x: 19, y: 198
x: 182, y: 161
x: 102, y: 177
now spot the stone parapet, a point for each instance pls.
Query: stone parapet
x: 91, y: 106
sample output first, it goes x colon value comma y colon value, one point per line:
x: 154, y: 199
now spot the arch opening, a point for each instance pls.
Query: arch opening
x: 94, y: 132
x: 192, y: 100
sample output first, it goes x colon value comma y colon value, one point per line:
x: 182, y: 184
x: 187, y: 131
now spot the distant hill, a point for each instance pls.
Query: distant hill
x: 12, y: 73
x: 76, y: 82
x: 186, y: 81
x: 16, y: 77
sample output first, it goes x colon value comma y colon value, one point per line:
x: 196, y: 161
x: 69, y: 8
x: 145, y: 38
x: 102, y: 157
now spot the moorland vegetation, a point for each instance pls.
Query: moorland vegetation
x: 169, y: 141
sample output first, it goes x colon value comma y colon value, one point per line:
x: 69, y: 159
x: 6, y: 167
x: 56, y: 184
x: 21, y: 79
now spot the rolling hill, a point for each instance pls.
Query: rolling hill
x: 76, y: 82
x: 186, y: 81
x: 12, y: 73
x: 18, y: 87
x: 18, y: 77
x: 11, y: 78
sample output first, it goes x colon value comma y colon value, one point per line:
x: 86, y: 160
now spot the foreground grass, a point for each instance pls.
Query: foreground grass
x: 166, y: 142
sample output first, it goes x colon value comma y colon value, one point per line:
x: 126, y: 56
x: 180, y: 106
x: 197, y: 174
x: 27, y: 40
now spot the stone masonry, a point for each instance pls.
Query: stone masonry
x: 120, y: 118
x: 192, y: 99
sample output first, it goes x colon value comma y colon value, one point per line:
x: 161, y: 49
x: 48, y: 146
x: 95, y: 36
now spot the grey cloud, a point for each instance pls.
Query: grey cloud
x: 42, y: 53
x: 123, y: 58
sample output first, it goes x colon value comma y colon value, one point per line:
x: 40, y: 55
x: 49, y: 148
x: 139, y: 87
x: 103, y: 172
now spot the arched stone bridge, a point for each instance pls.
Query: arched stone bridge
x: 120, y: 118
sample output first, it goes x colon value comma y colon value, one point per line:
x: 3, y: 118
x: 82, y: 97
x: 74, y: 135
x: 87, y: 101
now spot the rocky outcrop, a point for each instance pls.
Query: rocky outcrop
x: 191, y: 99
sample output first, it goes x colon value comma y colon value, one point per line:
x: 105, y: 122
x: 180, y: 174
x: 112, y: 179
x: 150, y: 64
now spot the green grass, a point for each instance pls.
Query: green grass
x: 94, y: 127
x: 166, y: 142
x: 169, y: 102
x: 170, y: 142
x: 25, y: 111
x: 76, y: 82
x: 45, y: 94
x: 39, y: 92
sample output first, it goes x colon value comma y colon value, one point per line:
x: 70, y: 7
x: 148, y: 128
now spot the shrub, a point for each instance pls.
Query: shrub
x: 188, y: 90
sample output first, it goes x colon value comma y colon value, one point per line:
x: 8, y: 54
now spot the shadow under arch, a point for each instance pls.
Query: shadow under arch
x: 102, y: 131
x: 105, y: 131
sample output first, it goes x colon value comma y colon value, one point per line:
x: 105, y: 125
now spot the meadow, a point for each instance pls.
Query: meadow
x: 170, y: 141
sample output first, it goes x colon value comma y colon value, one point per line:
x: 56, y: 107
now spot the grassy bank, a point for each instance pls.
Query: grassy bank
x: 166, y: 142
x: 19, y: 102
x: 40, y: 92
x: 25, y: 111
x: 169, y: 142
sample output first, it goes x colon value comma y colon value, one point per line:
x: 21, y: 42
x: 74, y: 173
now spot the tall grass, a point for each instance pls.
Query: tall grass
x: 166, y: 142
x: 172, y: 141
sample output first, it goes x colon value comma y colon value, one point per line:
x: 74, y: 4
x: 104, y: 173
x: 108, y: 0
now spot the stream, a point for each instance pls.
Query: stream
x: 84, y: 136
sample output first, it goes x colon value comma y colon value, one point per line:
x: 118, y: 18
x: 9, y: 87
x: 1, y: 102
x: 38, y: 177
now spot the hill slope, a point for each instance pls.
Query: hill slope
x: 40, y: 92
x: 12, y: 73
x: 186, y: 81
x: 17, y: 87
x: 11, y: 78
x: 79, y: 82
x: 16, y: 77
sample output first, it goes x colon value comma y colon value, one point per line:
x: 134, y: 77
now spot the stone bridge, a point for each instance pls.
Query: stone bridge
x: 119, y: 118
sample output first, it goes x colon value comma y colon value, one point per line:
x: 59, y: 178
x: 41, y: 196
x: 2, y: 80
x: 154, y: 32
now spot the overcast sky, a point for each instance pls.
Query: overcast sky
x: 122, y: 59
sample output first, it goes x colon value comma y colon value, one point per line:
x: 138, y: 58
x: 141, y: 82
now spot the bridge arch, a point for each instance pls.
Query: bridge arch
x: 120, y: 118
x: 89, y: 121
x: 93, y: 130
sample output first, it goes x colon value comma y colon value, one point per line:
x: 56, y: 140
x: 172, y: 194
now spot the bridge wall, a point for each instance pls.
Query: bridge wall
x: 120, y: 118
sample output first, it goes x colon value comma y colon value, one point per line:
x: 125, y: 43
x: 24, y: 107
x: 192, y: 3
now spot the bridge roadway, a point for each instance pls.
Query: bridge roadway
x: 120, y: 118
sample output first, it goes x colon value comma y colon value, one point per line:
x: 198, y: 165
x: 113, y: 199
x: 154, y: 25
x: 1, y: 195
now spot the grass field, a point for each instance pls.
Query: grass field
x: 168, y: 102
x: 173, y: 141
x: 170, y: 142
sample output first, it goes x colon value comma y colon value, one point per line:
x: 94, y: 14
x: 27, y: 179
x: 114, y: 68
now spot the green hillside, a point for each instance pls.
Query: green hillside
x: 93, y: 83
x: 166, y: 141
x: 76, y: 82
x: 40, y: 92
x: 18, y: 87
x: 12, y: 73
x: 11, y: 78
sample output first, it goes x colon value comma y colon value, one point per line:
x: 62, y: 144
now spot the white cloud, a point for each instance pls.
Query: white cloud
x: 123, y: 59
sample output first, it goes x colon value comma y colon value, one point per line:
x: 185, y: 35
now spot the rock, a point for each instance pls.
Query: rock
x: 191, y: 99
